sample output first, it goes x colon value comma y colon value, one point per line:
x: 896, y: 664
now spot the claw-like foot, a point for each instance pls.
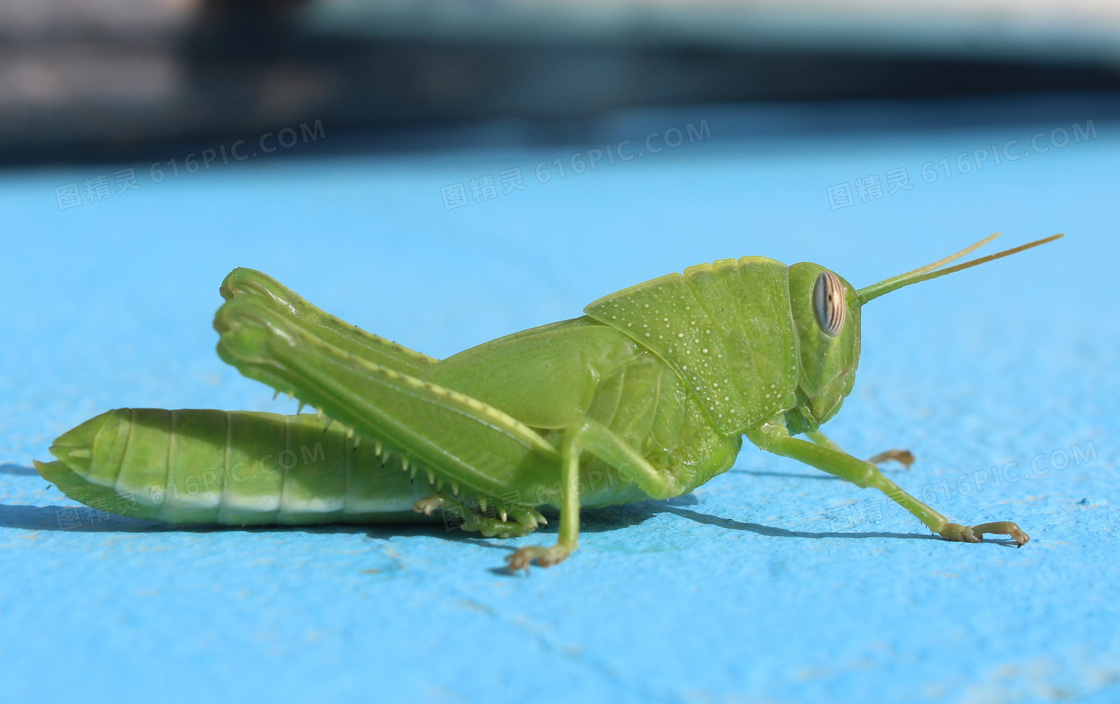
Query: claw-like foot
x: 432, y: 503
x: 903, y: 457
x: 467, y: 519
x: 545, y: 557
x: 497, y: 528
x: 974, y: 534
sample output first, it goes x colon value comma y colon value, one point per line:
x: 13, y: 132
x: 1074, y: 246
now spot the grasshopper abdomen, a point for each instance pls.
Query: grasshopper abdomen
x: 231, y: 468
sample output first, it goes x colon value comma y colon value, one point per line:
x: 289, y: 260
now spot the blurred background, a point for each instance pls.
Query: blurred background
x: 101, y: 79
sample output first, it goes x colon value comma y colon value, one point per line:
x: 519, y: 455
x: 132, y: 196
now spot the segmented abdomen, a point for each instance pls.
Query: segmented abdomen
x: 230, y: 467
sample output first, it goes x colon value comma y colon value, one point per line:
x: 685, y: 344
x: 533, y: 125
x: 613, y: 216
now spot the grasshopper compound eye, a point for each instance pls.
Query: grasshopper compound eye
x: 829, y: 303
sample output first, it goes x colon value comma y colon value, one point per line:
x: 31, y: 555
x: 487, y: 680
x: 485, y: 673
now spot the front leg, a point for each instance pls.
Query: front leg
x: 774, y: 437
x: 903, y: 457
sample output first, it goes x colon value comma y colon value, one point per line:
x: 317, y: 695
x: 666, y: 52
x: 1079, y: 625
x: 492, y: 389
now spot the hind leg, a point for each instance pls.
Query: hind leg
x: 482, y: 518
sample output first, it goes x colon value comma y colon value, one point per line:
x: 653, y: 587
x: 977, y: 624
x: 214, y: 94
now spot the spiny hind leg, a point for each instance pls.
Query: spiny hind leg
x: 267, y: 291
x: 598, y: 440
x: 483, y: 517
x: 774, y: 437
x: 460, y: 440
x: 903, y: 457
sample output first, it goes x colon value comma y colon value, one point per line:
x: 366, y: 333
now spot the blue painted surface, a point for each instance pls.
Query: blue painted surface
x: 773, y: 583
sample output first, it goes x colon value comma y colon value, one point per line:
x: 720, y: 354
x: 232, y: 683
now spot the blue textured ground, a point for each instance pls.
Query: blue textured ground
x: 773, y: 583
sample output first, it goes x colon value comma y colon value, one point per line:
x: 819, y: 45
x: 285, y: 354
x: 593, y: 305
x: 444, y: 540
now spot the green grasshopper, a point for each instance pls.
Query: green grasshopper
x: 647, y: 396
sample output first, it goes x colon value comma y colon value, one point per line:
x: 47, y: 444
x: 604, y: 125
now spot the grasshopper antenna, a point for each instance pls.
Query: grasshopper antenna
x: 931, y: 271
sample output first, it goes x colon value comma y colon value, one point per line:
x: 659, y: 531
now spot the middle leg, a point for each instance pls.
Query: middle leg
x: 598, y: 440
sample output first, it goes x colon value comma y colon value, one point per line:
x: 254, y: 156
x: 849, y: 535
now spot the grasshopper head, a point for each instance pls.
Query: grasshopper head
x: 826, y: 312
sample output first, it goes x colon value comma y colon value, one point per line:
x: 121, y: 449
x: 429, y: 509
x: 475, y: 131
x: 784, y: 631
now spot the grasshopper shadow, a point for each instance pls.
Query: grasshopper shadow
x: 72, y: 519
x: 771, y: 532
x: 784, y: 475
x: 82, y: 519
x: 17, y: 470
